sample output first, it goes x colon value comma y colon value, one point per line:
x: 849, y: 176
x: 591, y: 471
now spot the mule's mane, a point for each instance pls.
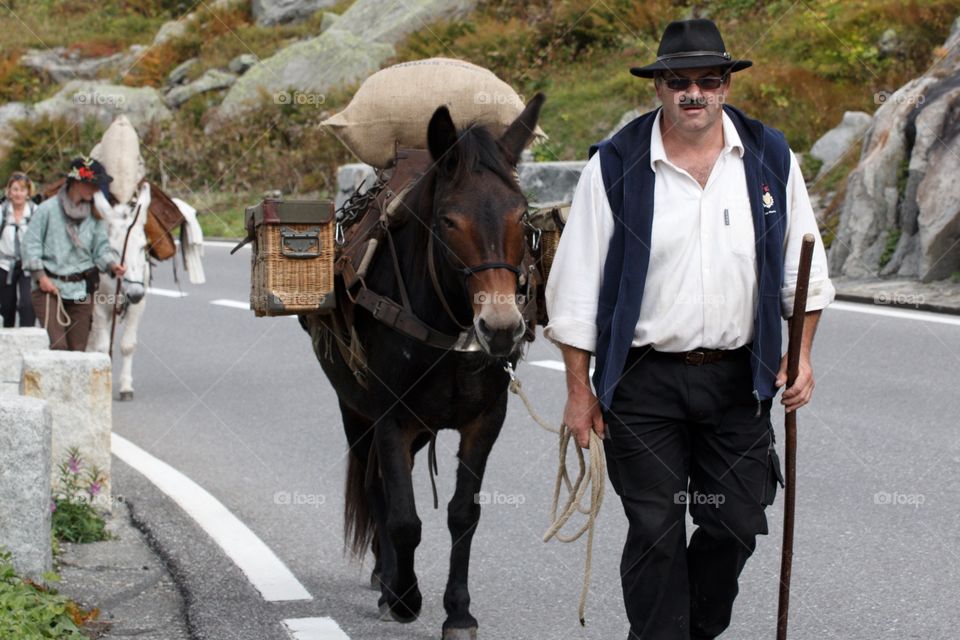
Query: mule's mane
x: 477, y: 150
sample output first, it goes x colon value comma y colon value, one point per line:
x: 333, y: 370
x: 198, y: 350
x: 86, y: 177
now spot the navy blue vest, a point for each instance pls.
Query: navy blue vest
x: 629, y: 183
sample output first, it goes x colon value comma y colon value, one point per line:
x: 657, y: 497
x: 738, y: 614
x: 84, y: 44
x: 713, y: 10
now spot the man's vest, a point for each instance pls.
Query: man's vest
x: 629, y: 182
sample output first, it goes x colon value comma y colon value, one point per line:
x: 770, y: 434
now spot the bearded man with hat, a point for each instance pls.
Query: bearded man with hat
x: 678, y: 260
x: 65, y: 247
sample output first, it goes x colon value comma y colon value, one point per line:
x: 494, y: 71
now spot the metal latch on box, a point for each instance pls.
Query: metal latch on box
x: 300, y: 244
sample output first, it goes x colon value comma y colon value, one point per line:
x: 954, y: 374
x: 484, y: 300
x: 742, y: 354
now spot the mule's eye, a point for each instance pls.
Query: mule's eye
x: 448, y: 222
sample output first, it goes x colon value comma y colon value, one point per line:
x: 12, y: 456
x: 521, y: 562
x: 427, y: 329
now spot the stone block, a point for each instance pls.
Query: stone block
x: 25, y: 443
x: 77, y: 388
x: 13, y: 344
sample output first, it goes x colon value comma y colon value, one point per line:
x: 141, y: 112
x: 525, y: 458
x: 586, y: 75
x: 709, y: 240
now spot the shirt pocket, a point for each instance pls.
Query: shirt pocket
x: 738, y: 227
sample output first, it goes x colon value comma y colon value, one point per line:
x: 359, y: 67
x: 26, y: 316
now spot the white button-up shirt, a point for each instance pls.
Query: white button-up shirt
x: 701, y: 286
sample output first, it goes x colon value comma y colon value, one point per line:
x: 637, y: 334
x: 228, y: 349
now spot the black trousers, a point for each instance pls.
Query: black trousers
x: 15, y: 298
x: 680, y: 436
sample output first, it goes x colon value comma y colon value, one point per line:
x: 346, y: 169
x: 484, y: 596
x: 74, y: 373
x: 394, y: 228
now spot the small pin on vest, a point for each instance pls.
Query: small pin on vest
x: 767, y: 200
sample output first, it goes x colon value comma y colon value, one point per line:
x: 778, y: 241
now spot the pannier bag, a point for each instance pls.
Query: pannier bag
x: 291, y: 257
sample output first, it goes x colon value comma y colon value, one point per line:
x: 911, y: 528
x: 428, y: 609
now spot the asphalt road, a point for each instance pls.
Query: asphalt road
x: 240, y: 405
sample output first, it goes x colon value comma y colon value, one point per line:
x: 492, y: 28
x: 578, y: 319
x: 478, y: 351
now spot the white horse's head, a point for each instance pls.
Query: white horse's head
x: 125, y: 228
x: 119, y: 152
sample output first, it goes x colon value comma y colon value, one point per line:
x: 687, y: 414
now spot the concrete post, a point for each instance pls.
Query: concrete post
x: 13, y: 344
x: 77, y: 387
x: 25, y: 441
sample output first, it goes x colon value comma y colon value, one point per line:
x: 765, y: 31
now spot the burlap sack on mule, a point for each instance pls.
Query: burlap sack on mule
x: 392, y: 108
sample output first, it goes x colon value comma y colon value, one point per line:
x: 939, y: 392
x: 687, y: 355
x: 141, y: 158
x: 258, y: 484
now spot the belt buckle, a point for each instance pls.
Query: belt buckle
x: 694, y: 358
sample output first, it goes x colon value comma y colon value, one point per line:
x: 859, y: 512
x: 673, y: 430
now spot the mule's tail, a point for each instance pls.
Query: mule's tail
x: 358, y: 522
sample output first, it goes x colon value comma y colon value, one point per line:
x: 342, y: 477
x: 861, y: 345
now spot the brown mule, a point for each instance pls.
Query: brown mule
x: 465, y: 216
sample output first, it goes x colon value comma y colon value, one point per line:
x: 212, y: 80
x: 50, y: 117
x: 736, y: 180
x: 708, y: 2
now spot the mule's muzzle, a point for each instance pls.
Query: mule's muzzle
x: 133, y: 291
x: 499, y: 342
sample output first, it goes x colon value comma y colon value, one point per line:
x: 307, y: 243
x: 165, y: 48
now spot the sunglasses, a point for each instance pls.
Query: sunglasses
x: 708, y: 83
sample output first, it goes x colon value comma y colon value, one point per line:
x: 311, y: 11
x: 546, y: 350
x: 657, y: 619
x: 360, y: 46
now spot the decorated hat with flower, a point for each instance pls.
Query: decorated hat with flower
x: 88, y: 170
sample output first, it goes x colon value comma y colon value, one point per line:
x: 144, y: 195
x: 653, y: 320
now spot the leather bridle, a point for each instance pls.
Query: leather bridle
x: 466, y: 272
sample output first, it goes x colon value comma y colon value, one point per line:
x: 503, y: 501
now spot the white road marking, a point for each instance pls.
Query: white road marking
x: 167, y: 293
x: 237, y: 304
x: 233, y: 304
x: 315, y: 629
x: 265, y: 571
x: 223, y: 244
x: 902, y: 314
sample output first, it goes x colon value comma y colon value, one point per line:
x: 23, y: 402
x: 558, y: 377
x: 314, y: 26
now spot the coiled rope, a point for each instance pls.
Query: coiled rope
x: 63, y: 318
x: 590, y: 481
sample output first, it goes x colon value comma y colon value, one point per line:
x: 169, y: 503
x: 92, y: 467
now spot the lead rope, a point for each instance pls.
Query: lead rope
x: 592, y: 480
x: 63, y: 318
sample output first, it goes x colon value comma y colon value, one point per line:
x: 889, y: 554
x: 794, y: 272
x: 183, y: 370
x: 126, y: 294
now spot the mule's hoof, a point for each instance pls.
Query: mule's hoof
x: 460, y: 634
x: 402, y: 619
x: 385, y: 612
x: 126, y: 396
x: 375, y: 581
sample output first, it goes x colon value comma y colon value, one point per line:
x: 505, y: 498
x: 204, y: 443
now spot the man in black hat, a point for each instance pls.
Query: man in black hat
x: 678, y: 260
x: 65, y: 245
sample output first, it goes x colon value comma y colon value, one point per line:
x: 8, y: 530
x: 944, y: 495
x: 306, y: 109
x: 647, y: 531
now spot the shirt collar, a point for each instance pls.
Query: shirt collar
x: 731, y: 139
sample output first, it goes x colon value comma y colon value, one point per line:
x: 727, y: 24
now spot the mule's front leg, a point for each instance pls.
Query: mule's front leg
x: 463, y: 514
x: 128, y: 344
x: 100, y: 328
x: 401, y: 592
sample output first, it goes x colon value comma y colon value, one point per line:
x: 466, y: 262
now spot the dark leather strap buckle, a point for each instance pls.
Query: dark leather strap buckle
x: 695, y: 358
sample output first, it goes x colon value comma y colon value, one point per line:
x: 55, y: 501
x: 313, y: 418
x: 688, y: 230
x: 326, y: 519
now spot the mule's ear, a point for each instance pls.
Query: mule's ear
x: 441, y: 135
x: 518, y: 134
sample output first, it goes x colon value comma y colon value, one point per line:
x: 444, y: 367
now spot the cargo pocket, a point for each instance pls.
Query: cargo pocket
x: 774, y: 476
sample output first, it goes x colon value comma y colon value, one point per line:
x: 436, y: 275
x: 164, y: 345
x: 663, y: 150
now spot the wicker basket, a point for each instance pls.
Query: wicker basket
x: 548, y: 221
x: 292, y: 257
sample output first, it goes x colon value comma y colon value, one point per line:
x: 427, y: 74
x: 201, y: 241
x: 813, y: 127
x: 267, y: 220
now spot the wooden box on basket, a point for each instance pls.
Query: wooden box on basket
x: 291, y: 257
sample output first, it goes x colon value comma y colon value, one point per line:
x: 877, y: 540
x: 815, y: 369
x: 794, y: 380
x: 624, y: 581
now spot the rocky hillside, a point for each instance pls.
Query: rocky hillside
x: 226, y: 94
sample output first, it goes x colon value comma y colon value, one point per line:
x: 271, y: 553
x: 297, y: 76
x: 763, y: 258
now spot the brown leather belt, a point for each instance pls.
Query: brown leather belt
x: 699, y: 357
x: 73, y: 277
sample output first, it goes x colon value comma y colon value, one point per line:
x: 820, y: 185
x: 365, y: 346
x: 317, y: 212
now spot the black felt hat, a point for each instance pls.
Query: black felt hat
x: 691, y: 44
x: 90, y: 171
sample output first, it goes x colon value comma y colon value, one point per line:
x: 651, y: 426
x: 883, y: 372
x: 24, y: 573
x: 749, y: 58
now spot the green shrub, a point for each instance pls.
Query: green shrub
x: 29, y: 611
x: 44, y: 147
x: 893, y: 238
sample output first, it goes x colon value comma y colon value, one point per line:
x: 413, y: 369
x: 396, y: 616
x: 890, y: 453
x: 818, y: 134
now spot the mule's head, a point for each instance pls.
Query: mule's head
x: 477, y: 220
x: 123, y: 217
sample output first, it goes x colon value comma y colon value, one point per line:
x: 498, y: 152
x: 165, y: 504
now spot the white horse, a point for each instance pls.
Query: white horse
x: 125, y: 224
x: 119, y: 152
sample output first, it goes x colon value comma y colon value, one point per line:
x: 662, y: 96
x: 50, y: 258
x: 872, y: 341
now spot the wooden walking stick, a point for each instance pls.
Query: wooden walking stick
x: 790, y: 426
